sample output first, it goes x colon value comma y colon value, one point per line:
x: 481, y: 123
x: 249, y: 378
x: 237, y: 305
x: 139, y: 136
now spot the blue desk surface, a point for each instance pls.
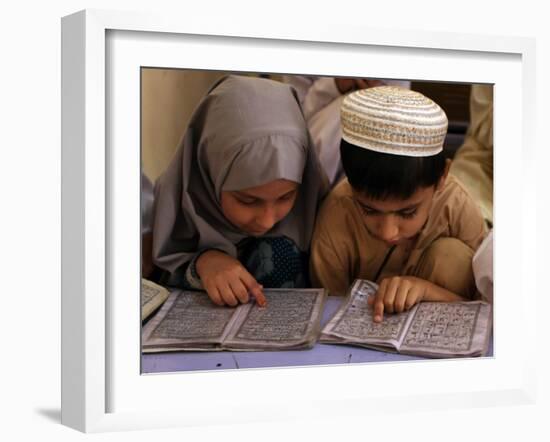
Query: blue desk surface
x: 320, y: 354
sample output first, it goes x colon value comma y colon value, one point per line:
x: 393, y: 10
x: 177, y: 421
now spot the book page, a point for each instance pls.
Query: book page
x: 291, y: 318
x: 353, y: 322
x: 152, y: 296
x: 449, y: 329
x: 187, y: 318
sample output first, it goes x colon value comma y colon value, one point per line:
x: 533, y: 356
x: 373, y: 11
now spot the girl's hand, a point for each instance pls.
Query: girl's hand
x: 397, y: 294
x: 226, y: 280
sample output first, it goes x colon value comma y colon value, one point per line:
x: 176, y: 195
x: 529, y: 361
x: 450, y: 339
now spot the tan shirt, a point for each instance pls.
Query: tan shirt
x: 342, y: 249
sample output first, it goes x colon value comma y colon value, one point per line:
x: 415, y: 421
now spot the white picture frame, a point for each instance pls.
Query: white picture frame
x: 102, y: 389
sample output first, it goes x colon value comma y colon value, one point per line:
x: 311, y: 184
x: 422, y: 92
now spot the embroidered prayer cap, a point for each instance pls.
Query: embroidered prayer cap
x: 393, y: 120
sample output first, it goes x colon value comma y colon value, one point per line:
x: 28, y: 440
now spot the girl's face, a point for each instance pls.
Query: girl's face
x: 395, y: 221
x: 257, y: 209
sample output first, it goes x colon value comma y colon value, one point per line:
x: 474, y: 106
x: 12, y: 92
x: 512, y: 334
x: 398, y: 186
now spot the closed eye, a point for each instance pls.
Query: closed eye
x: 367, y: 211
x: 288, y: 196
x: 247, y: 201
x: 407, y: 214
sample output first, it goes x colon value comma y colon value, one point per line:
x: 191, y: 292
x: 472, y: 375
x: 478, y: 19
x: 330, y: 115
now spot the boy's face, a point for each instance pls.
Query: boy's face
x: 395, y: 221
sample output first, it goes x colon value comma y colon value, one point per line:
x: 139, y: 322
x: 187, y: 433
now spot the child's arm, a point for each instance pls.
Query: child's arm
x: 333, y: 259
x: 467, y: 222
x: 226, y: 280
x: 326, y: 268
x: 399, y: 293
x: 328, y: 259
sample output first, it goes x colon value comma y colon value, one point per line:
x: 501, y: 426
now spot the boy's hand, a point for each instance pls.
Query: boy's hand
x: 397, y: 294
x: 226, y: 280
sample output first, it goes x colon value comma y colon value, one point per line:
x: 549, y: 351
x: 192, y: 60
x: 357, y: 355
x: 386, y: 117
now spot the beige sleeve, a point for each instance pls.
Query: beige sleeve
x: 482, y: 265
x: 470, y: 225
x: 481, y: 115
x: 328, y: 268
x: 473, y: 162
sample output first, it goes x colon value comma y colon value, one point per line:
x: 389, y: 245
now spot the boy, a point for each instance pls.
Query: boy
x: 399, y: 218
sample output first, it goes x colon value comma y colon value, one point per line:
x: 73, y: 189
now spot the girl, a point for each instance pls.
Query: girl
x: 234, y: 211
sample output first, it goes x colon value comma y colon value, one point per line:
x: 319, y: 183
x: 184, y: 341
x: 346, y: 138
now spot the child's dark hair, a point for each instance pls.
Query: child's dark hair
x: 380, y: 175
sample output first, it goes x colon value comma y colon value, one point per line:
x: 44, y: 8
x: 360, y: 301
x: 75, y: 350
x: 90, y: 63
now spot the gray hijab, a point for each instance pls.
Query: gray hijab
x: 246, y: 132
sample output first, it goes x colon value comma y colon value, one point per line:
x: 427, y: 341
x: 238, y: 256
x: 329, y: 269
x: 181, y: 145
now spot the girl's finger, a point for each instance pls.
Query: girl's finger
x: 227, y: 294
x: 253, y: 287
x: 239, y: 290
x: 214, y: 295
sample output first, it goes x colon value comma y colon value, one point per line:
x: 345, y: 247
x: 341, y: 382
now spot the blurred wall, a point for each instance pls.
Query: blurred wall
x: 169, y: 97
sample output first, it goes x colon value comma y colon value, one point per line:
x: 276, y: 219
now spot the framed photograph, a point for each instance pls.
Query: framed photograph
x: 104, y: 384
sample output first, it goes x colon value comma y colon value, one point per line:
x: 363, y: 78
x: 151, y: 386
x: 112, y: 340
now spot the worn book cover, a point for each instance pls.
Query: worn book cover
x: 190, y: 321
x: 431, y: 329
x: 152, y: 297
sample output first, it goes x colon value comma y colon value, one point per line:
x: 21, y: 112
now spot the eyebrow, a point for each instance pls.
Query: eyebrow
x: 404, y: 209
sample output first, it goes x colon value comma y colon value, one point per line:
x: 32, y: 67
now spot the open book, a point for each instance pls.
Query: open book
x: 431, y: 329
x: 190, y: 321
x: 152, y: 297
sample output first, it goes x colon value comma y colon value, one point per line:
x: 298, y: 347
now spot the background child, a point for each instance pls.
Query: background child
x: 321, y: 98
x: 398, y: 219
x: 235, y: 209
x: 473, y: 162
